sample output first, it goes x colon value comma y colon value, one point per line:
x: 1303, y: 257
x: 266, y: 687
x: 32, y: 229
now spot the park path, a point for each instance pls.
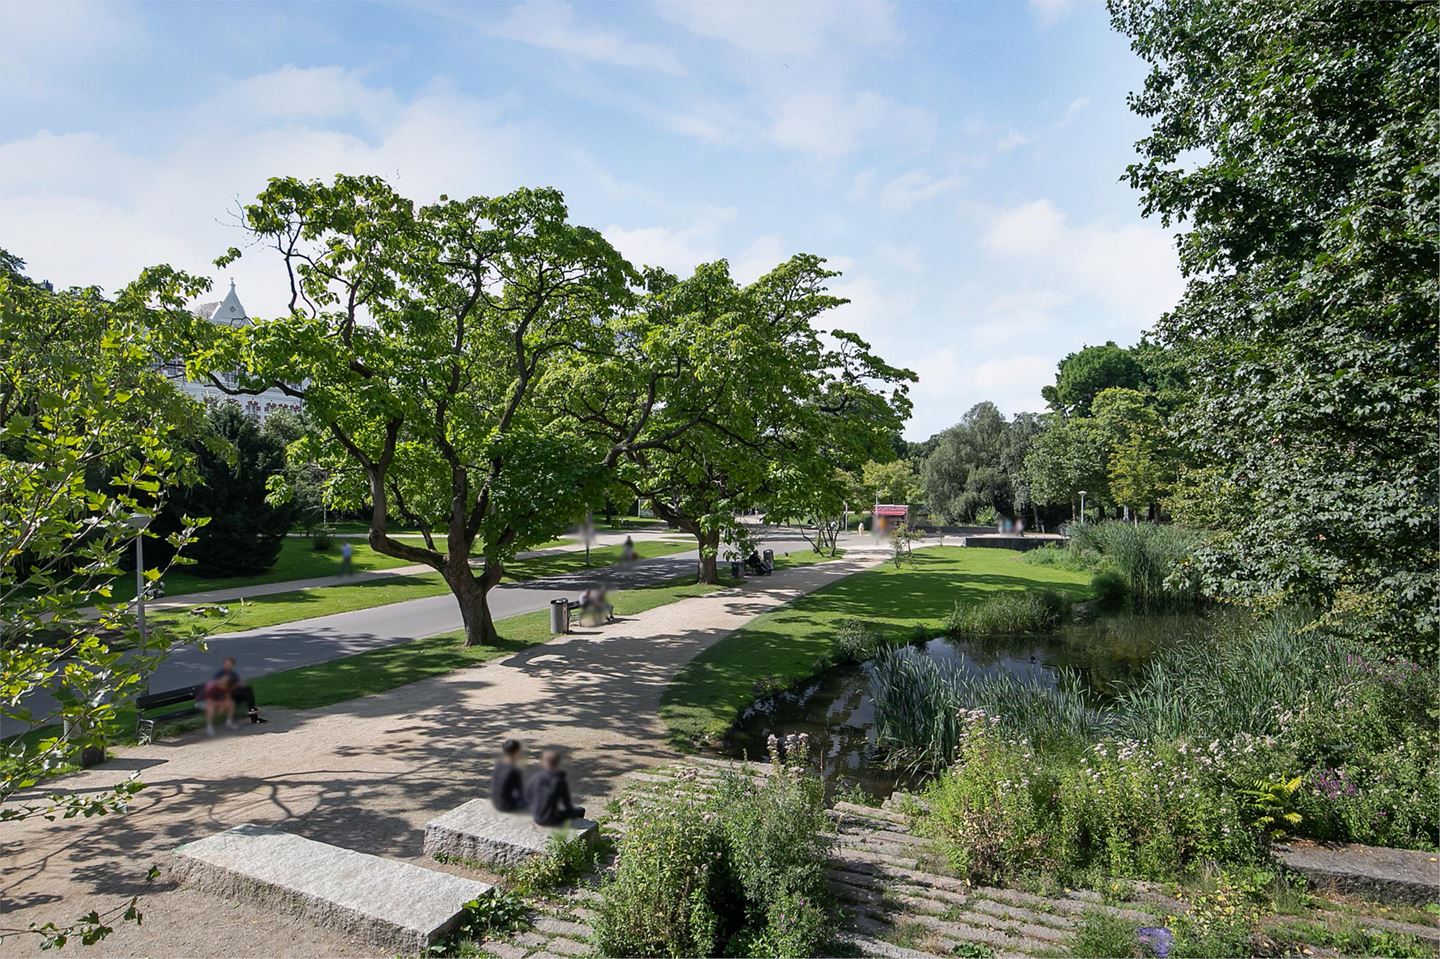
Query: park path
x: 368, y: 774
x: 214, y: 597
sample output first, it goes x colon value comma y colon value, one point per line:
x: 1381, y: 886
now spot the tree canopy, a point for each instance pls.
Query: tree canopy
x: 1292, y: 144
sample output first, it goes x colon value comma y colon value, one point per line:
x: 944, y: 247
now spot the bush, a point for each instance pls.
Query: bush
x: 1010, y: 612
x: 1150, y: 557
x: 1112, y: 592
x: 855, y: 641
x: 322, y: 538
x: 739, y: 872
x: 565, y: 862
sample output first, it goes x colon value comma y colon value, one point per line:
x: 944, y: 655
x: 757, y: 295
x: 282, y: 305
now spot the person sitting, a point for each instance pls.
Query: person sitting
x: 594, y: 605
x: 757, y: 565
x: 548, y: 793
x: 507, y: 793
x: 242, y: 694
x: 215, y: 697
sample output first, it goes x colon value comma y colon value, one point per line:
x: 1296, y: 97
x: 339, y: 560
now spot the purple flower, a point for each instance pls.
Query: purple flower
x: 1156, y: 940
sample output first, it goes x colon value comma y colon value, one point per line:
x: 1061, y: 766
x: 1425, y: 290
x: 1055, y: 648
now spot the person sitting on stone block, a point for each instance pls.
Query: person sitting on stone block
x: 507, y: 792
x: 548, y: 793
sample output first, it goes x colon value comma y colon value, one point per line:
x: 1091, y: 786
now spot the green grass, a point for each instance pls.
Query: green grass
x: 297, y: 560
x: 782, y: 646
x: 379, y: 670
x: 258, y: 612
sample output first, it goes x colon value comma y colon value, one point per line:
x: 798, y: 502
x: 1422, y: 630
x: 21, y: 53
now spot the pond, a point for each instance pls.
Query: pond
x: 835, y: 709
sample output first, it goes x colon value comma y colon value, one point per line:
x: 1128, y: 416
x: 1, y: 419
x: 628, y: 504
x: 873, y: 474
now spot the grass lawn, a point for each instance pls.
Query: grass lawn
x: 297, y: 560
x: 277, y: 608
x: 713, y: 689
x: 378, y: 670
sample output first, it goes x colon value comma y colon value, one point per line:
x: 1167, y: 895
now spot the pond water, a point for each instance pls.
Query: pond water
x: 836, y: 711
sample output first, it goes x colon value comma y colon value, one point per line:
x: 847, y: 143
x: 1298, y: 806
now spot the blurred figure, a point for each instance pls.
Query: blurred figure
x: 346, y: 557
x: 595, y: 606
x: 627, y: 551
x: 507, y: 792
x: 548, y: 793
x: 240, y: 693
x: 215, y: 697
x: 757, y: 565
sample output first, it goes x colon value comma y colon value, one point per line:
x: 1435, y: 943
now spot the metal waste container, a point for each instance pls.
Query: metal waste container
x: 737, y: 569
x: 559, y: 616
x: 768, y: 558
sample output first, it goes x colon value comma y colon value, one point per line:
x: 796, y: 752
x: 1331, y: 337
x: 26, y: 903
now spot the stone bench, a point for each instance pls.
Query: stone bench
x: 1375, y: 873
x: 477, y: 832
x: 395, y: 906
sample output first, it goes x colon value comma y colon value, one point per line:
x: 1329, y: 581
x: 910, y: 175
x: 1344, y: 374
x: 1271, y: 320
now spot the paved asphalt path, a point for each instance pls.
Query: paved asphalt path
x: 274, y: 649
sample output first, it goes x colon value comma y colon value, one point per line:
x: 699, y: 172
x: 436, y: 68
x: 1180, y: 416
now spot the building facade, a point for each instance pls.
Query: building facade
x: 232, y: 313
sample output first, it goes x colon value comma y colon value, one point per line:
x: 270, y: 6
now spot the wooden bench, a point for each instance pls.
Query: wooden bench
x: 155, y: 708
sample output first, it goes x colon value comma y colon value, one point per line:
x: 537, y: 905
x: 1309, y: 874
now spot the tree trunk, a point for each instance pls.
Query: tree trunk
x: 709, y: 557
x: 473, y: 595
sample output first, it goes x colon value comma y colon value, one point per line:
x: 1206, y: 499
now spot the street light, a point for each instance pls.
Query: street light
x: 138, y: 522
x: 1082, y: 506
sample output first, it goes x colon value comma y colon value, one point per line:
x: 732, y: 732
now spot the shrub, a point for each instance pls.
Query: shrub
x: 855, y: 641
x: 1010, y: 612
x: 566, y: 860
x: 738, y: 872
x: 1112, y: 592
x: 322, y: 538
x: 1150, y: 557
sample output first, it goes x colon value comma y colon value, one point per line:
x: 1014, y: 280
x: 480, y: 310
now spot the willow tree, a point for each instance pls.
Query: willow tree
x: 419, y: 339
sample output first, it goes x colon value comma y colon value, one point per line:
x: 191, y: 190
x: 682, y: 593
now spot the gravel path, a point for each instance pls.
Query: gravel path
x: 367, y: 774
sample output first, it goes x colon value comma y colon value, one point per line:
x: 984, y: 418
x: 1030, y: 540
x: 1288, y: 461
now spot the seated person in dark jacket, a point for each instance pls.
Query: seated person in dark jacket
x: 756, y: 563
x: 506, y: 793
x: 242, y: 694
x: 548, y: 794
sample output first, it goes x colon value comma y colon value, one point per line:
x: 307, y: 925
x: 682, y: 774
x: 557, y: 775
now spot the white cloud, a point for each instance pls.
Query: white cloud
x: 1012, y: 140
x: 950, y: 383
x: 908, y: 189
x: 85, y: 208
x: 1131, y: 267
x: 1072, y: 111
x: 762, y: 255
x: 50, y: 43
x: 308, y: 93
x: 552, y: 25
x: 1050, y: 12
x: 832, y: 124
x: 796, y: 28
x: 903, y: 257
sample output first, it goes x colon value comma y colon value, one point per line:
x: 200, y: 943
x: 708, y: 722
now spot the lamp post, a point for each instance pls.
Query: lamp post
x: 138, y: 522
x: 1082, y: 506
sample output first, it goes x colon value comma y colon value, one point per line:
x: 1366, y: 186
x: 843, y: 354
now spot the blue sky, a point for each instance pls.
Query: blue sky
x: 959, y: 162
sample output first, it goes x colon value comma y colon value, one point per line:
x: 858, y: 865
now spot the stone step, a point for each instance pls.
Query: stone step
x: 952, y: 935
x: 866, y: 946
x: 570, y: 947
x: 878, y: 813
x: 396, y: 906
x: 477, y: 832
x: 560, y: 927
x: 1374, y: 873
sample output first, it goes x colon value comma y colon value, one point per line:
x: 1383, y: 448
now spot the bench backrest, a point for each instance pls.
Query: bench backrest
x: 167, y: 698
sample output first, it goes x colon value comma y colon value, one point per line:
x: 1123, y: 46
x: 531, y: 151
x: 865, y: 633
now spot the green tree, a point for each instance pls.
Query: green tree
x: 1081, y: 376
x: 966, y: 473
x: 745, y: 404
x: 419, y: 340
x: 893, y: 482
x: 233, y: 465
x: 1067, y: 457
x: 91, y: 432
x: 1138, y: 459
x: 1293, y: 143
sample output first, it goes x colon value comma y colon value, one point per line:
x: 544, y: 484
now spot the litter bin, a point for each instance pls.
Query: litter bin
x: 737, y: 569
x: 768, y: 558
x: 559, y: 616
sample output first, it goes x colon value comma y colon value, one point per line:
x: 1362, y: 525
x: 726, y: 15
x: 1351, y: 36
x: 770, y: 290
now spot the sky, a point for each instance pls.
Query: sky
x: 960, y: 163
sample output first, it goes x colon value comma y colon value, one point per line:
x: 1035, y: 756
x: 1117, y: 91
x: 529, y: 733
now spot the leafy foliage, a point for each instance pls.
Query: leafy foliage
x: 1293, y: 143
x: 737, y: 872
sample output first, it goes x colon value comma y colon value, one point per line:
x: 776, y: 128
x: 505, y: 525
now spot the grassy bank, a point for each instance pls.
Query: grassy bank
x: 782, y: 647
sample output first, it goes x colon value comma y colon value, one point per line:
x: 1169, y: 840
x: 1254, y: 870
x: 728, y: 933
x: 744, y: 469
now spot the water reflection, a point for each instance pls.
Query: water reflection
x: 836, y: 711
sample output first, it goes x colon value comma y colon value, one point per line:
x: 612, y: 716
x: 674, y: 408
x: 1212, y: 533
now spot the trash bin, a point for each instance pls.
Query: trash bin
x: 559, y: 616
x: 737, y: 569
x: 768, y: 559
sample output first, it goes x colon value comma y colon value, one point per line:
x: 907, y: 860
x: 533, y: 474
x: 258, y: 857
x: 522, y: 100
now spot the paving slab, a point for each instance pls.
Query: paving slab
x: 1375, y: 873
x: 394, y: 905
x: 478, y: 832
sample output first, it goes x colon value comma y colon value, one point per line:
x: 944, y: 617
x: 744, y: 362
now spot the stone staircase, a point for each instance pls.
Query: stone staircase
x: 896, y: 897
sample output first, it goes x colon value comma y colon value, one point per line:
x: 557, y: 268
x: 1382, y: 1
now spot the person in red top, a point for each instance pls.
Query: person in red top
x: 215, y: 697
